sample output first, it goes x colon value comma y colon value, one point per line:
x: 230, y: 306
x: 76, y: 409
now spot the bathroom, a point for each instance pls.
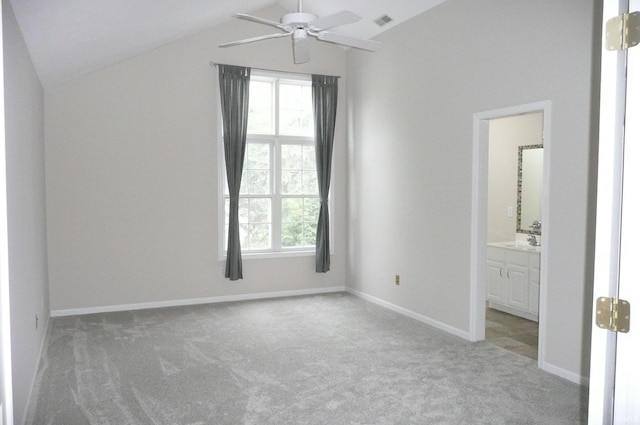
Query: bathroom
x: 514, y: 232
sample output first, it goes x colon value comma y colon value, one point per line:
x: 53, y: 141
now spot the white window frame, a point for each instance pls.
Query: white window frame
x: 275, y: 142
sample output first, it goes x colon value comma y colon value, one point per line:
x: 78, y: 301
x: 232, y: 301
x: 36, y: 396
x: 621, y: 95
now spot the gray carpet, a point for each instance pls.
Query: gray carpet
x: 326, y: 359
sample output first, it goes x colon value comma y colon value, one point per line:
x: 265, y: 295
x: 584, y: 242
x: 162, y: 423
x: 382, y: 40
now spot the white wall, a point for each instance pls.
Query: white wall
x: 410, y: 150
x: 24, y: 133
x: 132, y: 177
x: 505, y: 136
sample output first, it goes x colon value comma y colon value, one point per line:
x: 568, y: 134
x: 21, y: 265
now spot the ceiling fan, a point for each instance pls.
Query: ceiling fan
x: 300, y: 26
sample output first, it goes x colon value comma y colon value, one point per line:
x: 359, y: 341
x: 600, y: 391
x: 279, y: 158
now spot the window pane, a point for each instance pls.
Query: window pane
x: 259, y: 211
x: 254, y: 215
x: 309, y: 182
x: 257, y: 156
x: 310, y: 177
x: 298, y: 170
x: 259, y: 236
x: 309, y: 157
x: 311, y: 210
x: 292, y: 234
x: 256, y: 182
x: 296, y: 110
x: 244, y: 235
x: 260, y: 108
x: 291, y: 182
x: 291, y: 157
x: 299, y: 222
x: 291, y: 176
x: 256, y: 174
x: 243, y: 210
x: 259, y: 224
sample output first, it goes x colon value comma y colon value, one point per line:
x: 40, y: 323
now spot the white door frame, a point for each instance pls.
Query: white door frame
x: 6, y: 386
x: 479, y: 216
x: 614, y: 387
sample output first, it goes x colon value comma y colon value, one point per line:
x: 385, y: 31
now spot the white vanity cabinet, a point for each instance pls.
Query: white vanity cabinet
x: 513, y: 280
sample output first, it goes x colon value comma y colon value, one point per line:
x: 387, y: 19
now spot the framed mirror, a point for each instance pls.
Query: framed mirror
x: 529, y: 216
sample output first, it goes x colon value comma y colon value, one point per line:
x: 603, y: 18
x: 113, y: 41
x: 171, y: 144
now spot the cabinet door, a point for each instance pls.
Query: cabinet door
x: 495, y: 287
x: 518, y: 286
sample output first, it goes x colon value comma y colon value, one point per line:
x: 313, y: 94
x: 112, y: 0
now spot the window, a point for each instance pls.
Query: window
x: 279, y: 202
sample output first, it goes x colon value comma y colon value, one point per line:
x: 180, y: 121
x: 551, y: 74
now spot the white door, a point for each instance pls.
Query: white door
x: 614, y: 394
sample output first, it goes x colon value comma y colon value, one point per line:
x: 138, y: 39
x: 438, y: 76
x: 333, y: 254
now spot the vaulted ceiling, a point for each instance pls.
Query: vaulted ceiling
x: 68, y: 38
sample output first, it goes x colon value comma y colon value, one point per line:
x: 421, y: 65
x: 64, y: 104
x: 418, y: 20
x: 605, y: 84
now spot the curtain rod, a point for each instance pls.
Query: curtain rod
x: 212, y: 64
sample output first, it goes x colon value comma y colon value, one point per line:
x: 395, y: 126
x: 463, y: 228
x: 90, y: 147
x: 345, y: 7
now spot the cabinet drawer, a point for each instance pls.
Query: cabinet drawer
x: 517, y: 257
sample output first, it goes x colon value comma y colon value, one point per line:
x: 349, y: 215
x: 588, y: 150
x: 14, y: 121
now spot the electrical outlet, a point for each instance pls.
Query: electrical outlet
x: 397, y: 279
x: 510, y: 211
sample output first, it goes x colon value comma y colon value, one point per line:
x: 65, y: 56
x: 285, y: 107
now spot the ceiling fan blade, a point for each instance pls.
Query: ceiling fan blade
x: 251, y: 40
x: 358, y: 43
x: 260, y: 20
x: 341, y: 18
x: 301, y: 48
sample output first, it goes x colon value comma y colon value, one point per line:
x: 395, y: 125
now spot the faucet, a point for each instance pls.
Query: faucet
x: 533, y: 241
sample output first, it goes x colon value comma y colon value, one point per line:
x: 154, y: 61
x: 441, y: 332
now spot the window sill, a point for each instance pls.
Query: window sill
x: 266, y: 255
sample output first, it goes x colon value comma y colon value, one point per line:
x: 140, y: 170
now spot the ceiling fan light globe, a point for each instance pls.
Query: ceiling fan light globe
x: 299, y: 34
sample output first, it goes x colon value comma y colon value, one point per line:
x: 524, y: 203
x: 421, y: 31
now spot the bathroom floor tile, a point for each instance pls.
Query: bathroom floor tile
x: 512, y: 333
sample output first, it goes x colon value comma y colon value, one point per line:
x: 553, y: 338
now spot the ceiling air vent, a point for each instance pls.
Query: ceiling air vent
x: 383, y: 20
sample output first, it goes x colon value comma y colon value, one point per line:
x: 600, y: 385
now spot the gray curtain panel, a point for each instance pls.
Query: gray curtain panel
x: 325, y: 103
x: 234, y: 96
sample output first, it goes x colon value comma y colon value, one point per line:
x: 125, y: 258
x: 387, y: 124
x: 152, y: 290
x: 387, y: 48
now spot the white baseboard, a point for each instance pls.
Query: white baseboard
x: 194, y: 301
x: 35, y: 372
x: 405, y: 312
x: 563, y: 373
x: 555, y: 370
x: 547, y: 367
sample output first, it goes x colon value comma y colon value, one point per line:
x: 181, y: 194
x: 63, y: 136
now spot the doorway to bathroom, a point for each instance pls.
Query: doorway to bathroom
x: 509, y: 211
x: 514, y: 232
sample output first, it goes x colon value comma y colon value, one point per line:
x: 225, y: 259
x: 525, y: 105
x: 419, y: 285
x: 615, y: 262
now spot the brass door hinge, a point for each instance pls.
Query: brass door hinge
x: 613, y: 314
x: 623, y: 32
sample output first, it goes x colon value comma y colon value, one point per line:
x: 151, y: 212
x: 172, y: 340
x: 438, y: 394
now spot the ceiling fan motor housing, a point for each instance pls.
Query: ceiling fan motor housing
x: 298, y: 19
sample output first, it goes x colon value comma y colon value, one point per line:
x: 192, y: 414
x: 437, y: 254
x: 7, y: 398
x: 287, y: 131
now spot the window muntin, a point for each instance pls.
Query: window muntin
x: 279, y: 202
